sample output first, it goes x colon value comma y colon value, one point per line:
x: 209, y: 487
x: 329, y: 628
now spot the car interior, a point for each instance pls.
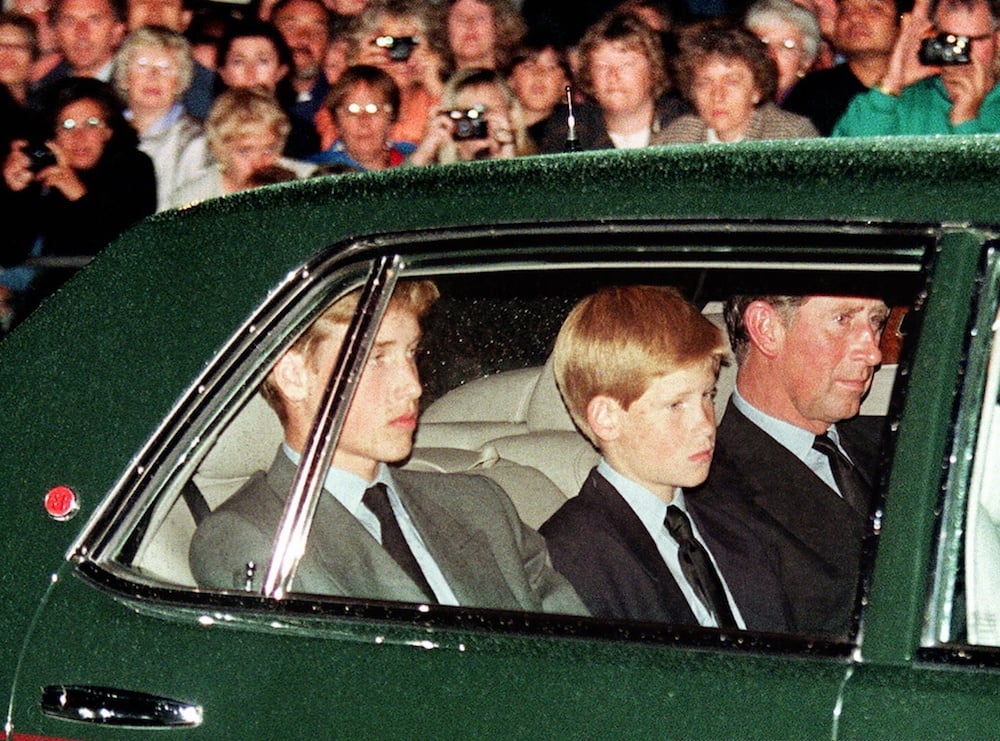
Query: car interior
x: 509, y: 425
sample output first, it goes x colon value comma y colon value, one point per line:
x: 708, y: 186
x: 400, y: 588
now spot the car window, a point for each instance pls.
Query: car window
x: 489, y: 406
x: 964, y: 601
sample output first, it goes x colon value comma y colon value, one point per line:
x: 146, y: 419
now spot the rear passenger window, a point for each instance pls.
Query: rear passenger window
x: 489, y: 408
x: 964, y: 602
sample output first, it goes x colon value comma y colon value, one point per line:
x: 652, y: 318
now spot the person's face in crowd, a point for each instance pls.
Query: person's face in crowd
x: 304, y: 25
x: 383, y: 414
x: 866, y: 27
x: 539, y: 82
x: 335, y: 60
x: 247, y: 153
x: 166, y: 13
x: 88, y: 34
x: 666, y: 437
x: 82, y: 133
x: 471, y: 33
x: 725, y: 96
x: 824, y: 359
x: 405, y: 73
x: 38, y: 11
x: 499, y: 129
x: 15, y: 56
x: 974, y: 21
x: 622, y: 78
x: 364, y: 120
x: 153, y: 78
x: 826, y: 14
x: 252, y: 62
x: 784, y: 42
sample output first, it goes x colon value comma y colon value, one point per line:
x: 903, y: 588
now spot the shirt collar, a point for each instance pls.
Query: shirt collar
x: 347, y: 487
x: 647, y: 506
x: 797, y: 440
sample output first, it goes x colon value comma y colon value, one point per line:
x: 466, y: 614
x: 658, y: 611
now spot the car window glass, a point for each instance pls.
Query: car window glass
x: 488, y: 407
x: 982, y: 550
x: 963, y: 606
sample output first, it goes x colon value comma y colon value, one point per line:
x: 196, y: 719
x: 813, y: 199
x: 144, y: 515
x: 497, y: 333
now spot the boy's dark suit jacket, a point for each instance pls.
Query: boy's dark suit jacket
x: 602, y: 547
x: 811, y: 534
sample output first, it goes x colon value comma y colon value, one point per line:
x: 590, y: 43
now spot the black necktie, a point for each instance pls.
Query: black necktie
x: 852, y: 487
x: 698, y: 569
x: 376, y: 498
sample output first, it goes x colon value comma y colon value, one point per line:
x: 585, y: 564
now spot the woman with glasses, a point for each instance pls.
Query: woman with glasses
x: 364, y: 103
x: 73, y: 189
x: 152, y: 70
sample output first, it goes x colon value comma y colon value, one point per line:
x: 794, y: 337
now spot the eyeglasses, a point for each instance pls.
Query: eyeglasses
x: 371, y: 109
x: 162, y: 67
x: 781, y: 44
x: 88, y: 124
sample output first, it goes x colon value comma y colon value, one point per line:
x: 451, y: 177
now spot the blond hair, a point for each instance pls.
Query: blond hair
x: 241, y: 112
x: 414, y: 297
x: 617, y: 341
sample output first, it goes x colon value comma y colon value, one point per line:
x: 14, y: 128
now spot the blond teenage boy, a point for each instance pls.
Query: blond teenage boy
x: 637, y: 367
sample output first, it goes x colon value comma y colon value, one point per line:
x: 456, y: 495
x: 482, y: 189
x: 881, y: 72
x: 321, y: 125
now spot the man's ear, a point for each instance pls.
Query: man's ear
x: 765, y: 328
x: 604, y: 417
x: 291, y: 376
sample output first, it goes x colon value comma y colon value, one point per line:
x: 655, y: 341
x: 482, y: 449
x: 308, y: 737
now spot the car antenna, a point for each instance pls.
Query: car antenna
x: 572, y: 144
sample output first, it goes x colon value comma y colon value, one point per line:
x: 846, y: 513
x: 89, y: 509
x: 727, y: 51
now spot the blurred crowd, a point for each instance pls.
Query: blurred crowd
x: 113, y: 109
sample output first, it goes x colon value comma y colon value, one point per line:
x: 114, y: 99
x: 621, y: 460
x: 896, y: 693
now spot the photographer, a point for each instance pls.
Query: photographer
x: 77, y: 188
x: 480, y: 119
x: 942, y: 76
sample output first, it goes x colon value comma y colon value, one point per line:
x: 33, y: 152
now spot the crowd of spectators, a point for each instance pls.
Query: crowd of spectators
x: 112, y: 109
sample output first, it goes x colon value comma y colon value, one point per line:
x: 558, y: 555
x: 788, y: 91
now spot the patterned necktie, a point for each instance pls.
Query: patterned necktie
x: 376, y: 498
x: 697, y: 567
x: 852, y: 487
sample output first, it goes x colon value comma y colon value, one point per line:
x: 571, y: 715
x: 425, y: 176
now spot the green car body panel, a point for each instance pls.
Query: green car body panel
x: 87, y: 380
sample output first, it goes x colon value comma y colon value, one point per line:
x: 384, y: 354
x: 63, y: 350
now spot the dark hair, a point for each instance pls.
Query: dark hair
x: 736, y: 306
x: 117, y: 10
x: 369, y: 75
x: 25, y: 24
x: 282, y: 4
x: 534, y: 44
x: 73, y: 89
x: 701, y: 41
x: 251, y: 28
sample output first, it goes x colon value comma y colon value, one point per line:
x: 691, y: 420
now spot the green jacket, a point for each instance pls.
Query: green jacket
x: 922, y: 108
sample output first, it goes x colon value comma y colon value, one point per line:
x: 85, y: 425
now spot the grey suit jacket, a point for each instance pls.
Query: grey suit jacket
x: 768, y: 122
x: 813, y: 537
x: 488, y: 556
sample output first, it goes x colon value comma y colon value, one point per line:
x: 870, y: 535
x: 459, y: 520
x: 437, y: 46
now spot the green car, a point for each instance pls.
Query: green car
x: 131, y: 409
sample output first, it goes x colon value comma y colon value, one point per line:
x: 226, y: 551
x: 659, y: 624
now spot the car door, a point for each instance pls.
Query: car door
x: 125, y: 644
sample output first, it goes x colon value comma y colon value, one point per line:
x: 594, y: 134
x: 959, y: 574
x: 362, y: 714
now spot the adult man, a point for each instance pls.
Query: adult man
x: 174, y: 15
x: 787, y: 464
x: 305, y: 25
x: 88, y: 33
x: 865, y: 34
x: 914, y: 98
x: 451, y: 539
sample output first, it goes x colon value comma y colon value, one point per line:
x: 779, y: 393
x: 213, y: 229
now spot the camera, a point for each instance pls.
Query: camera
x: 469, y: 123
x: 399, y: 47
x: 39, y: 156
x: 945, y: 49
